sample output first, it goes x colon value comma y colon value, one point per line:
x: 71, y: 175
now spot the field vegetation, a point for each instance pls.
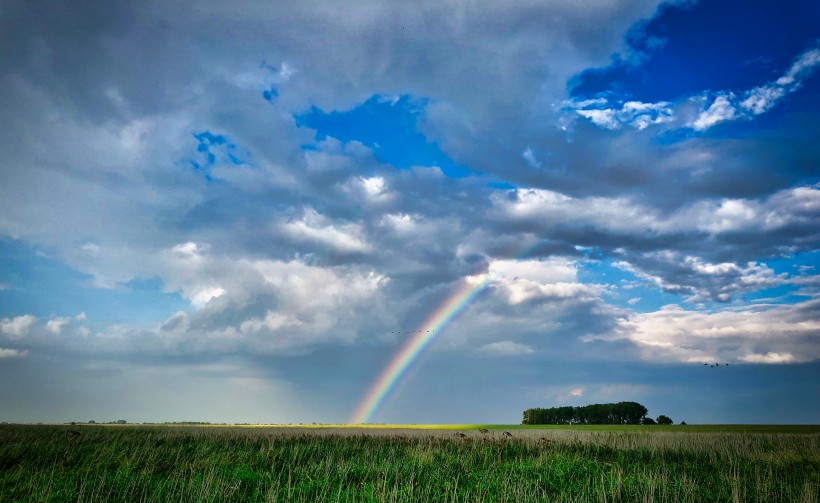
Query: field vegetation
x: 464, y: 463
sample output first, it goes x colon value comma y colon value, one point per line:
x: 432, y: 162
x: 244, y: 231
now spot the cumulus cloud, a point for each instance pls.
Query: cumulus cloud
x: 523, y: 280
x: 56, y: 325
x: 756, y: 334
x: 795, y: 206
x: 702, y: 281
x: 18, y: 327
x: 313, y: 226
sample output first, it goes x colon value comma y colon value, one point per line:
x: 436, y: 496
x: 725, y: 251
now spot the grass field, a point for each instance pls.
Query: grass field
x: 405, y: 463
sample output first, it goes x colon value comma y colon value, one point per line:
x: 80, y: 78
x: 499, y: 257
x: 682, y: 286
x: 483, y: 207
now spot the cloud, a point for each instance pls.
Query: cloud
x: 769, y: 358
x: 505, y: 348
x: 12, y: 353
x: 56, y: 325
x: 720, y: 110
x: 529, y: 156
x: 18, y: 327
x: 313, y: 226
x: 794, y: 206
x: 636, y: 114
x: 761, y: 99
x: 726, y: 105
x: 703, y: 281
x: 187, y: 172
x: 756, y: 334
x: 525, y: 280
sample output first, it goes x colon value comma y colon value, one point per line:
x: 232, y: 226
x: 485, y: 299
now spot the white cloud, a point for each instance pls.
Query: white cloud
x: 400, y: 223
x: 277, y: 306
x: 12, y: 353
x: 763, y: 98
x: 720, y: 110
x: 313, y: 226
x: 768, y: 358
x: 552, y: 208
x: 636, y: 114
x: 527, y: 279
x: 374, y: 186
x: 203, y: 296
x: 185, y: 250
x: 266, y: 307
x: 759, y: 99
x: 545, y: 271
x: 759, y: 334
x: 369, y: 190
x: 726, y: 106
x: 799, y: 205
x: 17, y: 327
x: 603, y: 117
x: 505, y: 348
x: 56, y: 325
x: 702, y: 280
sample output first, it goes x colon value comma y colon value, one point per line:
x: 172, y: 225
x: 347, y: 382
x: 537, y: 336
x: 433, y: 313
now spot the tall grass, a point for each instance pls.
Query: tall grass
x: 161, y: 464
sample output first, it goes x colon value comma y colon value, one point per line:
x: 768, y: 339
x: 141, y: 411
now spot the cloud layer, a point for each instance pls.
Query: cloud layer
x: 164, y: 150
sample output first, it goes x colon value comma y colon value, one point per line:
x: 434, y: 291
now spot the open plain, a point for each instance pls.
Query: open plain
x: 409, y: 463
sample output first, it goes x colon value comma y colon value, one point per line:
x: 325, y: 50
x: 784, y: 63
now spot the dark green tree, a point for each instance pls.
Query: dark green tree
x: 664, y: 419
x: 648, y: 420
x: 606, y: 413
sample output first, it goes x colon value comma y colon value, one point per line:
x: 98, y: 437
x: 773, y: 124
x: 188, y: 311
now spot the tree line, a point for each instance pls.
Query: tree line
x: 599, y: 413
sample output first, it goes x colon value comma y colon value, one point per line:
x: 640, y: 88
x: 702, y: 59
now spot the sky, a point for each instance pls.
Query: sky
x: 409, y: 212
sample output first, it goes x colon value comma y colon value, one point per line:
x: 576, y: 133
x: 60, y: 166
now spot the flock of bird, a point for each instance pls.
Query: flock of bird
x: 715, y: 364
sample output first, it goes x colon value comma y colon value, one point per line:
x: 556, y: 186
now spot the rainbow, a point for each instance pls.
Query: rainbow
x: 414, y: 347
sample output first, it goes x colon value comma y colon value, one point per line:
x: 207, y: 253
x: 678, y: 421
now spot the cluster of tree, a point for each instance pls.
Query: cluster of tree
x: 188, y: 422
x: 661, y: 420
x: 599, y: 413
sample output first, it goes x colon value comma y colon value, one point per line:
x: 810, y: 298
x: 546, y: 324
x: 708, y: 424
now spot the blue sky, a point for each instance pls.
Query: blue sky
x: 226, y: 212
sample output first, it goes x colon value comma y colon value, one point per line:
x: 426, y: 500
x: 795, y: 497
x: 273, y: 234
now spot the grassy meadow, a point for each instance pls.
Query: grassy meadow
x: 134, y: 463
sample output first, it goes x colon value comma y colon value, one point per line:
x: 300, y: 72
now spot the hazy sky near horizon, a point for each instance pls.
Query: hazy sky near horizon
x: 235, y: 211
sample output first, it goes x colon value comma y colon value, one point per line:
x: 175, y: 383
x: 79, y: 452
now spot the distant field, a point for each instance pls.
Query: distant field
x: 728, y: 428
x: 363, y: 428
x: 410, y: 463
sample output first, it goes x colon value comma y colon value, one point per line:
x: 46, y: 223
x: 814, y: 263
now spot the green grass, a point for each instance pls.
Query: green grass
x: 138, y: 463
x: 691, y: 428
